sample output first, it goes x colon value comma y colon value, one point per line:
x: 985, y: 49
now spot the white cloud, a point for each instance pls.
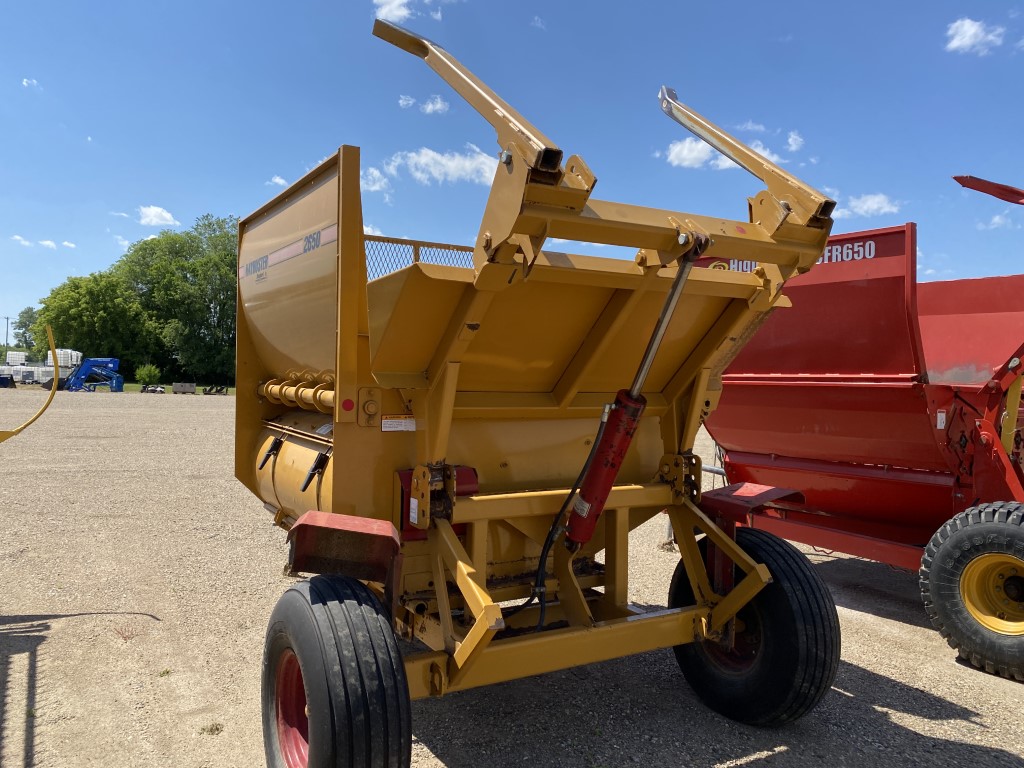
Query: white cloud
x: 560, y: 241
x: 969, y: 36
x: 119, y: 213
x: 688, y: 153
x: 321, y: 161
x: 538, y: 22
x: 435, y: 105
x: 122, y: 242
x: 372, y: 180
x: 369, y: 229
x: 436, y: 15
x: 999, y: 221
x: 934, y: 266
x: 21, y: 241
x: 150, y: 237
x: 875, y: 204
x: 66, y: 244
x: 393, y: 10
x: 405, y: 101
x: 391, y: 164
x: 750, y: 125
x: 48, y: 244
x: 762, y: 150
x: 29, y: 82
x: 694, y: 153
x: 155, y: 216
x: 794, y: 141
x: 88, y: 139
x: 276, y: 180
x: 426, y: 166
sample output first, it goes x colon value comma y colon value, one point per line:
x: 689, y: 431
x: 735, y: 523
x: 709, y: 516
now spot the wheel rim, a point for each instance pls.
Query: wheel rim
x: 992, y: 588
x: 746, y: 647
x: 292, y: 719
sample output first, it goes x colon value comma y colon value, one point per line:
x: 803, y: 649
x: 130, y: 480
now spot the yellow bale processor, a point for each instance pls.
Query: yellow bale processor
x: 460, y: 446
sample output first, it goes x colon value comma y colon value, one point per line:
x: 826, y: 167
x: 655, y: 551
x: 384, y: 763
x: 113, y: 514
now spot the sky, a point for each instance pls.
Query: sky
x: 119, y: 120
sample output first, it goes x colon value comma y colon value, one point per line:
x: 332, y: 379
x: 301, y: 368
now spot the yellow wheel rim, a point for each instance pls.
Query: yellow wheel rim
x: 992, y: 588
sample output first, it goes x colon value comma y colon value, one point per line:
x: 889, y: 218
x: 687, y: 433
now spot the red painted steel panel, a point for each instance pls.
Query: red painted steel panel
x: 874, y: 396
x: 907, y: 504
x: 849, y: 317
x: 1002, y: 191
x: 360, y: 547
x: 738, y: 500
x: 970, y: 328
x: 863, y: 421
x: 900, y: 555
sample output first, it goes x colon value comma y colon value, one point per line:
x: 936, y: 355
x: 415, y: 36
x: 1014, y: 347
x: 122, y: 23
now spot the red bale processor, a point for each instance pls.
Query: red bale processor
x: 894, y: 410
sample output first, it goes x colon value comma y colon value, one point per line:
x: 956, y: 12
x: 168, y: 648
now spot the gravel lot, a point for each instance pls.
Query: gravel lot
x: 138, y: 576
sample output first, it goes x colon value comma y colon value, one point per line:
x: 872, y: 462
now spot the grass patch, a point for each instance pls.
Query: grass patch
x: 212, y: 729
x: 164, y: 673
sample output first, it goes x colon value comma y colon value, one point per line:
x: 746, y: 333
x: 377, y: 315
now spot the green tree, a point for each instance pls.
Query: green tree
x: 23, y: 327
x: 100, y: 316
x: 169, y: 301
x: 187, y: 282
x: 147, y: 374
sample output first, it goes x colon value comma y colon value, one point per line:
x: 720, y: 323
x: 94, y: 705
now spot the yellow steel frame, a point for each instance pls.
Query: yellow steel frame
x: 1013, y: 400
x: 600, y: 626
x: 534, y: 197
x: 409, y: 342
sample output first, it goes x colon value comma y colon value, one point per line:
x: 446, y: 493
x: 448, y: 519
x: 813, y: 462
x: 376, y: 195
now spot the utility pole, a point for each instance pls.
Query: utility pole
x: 7, y: 331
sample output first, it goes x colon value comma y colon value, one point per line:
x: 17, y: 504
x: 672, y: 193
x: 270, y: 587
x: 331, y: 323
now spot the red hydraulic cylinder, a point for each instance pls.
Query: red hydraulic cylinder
x: 608, y: 457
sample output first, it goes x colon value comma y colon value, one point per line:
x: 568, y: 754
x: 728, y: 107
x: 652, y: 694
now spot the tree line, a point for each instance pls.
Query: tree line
x: 169, y: 302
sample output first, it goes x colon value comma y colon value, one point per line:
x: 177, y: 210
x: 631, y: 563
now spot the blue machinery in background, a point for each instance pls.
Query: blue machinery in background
x: 95, y: 372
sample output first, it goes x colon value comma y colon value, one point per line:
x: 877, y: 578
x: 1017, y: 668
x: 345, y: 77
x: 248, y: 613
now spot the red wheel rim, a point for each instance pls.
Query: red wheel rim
x: 292, y: 720
x: 746, y: 648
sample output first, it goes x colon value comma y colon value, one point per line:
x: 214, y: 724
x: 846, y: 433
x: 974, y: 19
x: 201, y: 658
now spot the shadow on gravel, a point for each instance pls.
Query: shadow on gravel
x: 640, y: 711
x: 20, y: 639
x: 875, y: 588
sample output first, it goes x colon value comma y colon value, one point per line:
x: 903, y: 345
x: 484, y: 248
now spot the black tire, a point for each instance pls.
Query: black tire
x: 331, y: 654
x: 787, y: 641
x: 972, y: 584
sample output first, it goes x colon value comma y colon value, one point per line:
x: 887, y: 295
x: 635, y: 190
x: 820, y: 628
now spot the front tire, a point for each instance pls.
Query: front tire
x: 972, y: 584
x: 334, y: 687
x: 786, y: 651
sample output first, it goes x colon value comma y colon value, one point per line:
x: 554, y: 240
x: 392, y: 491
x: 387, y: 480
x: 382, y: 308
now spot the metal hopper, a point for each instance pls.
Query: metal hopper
x: 432, y: 439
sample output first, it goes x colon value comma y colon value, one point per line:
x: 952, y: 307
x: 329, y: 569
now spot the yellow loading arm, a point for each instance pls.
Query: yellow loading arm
x: 534, y: 197
x: 8, y: 434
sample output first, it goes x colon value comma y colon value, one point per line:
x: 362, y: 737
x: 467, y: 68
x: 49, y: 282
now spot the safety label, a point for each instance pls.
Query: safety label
x: 400, y: 423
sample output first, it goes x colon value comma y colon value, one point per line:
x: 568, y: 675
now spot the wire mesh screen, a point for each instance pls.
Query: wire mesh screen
x: 385, y: 255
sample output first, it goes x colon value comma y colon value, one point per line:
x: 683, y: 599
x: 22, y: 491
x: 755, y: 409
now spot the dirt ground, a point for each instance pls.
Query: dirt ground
x: 138, y: 575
